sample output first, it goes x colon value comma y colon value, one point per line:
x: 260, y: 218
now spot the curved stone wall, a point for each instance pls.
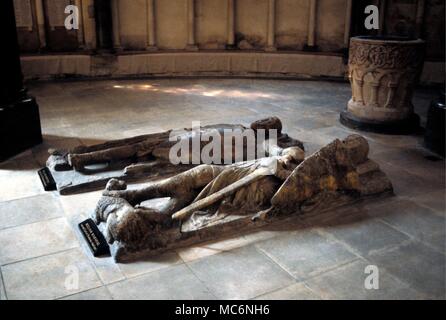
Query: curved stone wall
x: 302, y: 31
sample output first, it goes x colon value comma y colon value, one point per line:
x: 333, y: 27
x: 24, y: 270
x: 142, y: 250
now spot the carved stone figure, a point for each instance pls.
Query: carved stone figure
x: 383, y: 73
x: 208, y: 201
x: 88, y: 167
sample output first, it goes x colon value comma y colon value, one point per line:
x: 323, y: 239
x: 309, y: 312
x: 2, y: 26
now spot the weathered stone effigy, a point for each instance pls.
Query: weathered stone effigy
x: 143, y: 157
x: 209, y: 201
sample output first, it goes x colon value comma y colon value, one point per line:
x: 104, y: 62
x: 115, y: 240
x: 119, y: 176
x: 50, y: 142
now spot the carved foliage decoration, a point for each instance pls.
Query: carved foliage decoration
x: 388, y: 55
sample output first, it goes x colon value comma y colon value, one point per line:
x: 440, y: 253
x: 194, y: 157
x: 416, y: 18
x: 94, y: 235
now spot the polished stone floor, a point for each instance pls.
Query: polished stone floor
x: 325, y: 256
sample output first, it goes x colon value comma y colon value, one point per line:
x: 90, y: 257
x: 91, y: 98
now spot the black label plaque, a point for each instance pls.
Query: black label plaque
x: 47, y: 179
x: 94, y: 238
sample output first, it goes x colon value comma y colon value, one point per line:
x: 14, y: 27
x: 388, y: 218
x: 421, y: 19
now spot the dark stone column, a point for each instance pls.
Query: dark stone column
x: 19, y: 113
x: 104, y: 26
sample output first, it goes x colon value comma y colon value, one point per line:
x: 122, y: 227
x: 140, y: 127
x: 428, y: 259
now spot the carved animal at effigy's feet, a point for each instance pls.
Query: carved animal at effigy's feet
x: 209, y: 201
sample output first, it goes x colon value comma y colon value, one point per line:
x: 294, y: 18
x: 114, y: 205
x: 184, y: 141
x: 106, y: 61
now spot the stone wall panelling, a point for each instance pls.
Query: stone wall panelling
x: 251, y: 23
x: 211, y: 18
x: 171, y: 24
x: 330, y: 24
x: 27, y: 33
x: 57, y: 36
x: 400, y: 17
x: 133, y: 24
x: 433, y: 30
x: 23, y: 14
x: 291, y: 24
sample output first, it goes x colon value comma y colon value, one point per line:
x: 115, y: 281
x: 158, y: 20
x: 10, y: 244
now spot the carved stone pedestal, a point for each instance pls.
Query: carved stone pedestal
x: 383, y: 73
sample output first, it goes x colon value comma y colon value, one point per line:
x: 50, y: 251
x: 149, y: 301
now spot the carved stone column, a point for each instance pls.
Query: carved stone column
x: 271, y: 44
x: 311, y: 41
x: 116, y: 25
x: 347, y: 23
x: 383, y: 73
x: 191, y: 45
x: 89, y: 24
x: 40, y: 24
x: 151, y: 32
x: 104, y: 25
x: 19, y: 113
x: 231, y: 25
x: 80, y: 31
